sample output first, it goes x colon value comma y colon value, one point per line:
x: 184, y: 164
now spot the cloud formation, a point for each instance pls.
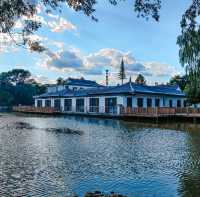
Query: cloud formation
x: 95, y: 64
x: 60, y: 24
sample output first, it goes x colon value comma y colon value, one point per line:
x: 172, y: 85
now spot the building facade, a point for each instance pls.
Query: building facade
x: 84, y: 96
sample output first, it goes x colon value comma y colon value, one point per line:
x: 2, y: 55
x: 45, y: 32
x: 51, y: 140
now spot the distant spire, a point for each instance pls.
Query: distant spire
x: 130, y: 79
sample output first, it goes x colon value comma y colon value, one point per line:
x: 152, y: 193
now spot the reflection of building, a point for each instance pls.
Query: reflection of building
x: 85, y: 96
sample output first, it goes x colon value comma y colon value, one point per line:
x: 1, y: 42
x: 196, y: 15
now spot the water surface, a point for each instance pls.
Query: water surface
x: 134, y: 159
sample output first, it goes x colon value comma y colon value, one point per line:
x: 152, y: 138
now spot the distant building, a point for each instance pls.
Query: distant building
x: 85, y: 96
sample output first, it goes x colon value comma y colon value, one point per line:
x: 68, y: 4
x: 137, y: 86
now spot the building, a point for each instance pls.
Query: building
x: 85, y: 96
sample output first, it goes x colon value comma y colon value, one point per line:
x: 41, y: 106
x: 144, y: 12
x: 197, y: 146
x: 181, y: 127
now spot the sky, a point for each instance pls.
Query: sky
x: 80, y: 47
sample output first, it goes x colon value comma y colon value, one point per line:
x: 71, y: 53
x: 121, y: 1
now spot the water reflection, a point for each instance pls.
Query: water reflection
x: 135, y: 159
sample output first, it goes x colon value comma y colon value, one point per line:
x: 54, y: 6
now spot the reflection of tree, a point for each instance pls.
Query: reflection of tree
x: 190, y: 177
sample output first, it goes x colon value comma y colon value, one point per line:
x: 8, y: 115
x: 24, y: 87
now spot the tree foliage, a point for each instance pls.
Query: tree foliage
x: 189, y: 43
x: 181, y: 81
x: 12, y: 11
x: 122, y: 74
x: 140, y: 79
x: 16, y: 87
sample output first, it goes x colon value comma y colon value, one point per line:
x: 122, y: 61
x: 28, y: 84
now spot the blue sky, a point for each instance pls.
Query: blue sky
x: 79, y: 46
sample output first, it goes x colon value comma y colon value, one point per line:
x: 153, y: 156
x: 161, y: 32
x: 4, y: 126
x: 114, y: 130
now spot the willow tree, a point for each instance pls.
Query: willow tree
x: 189, y: 53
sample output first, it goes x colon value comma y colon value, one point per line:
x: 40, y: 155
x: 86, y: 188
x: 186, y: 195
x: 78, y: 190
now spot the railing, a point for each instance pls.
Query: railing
x: 112, y: 110
x: 33, y: 109
x: 159, y: 111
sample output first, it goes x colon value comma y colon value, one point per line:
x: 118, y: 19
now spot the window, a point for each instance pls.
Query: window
x: 140, y: 102
x: 185, y: 103
x: 178, y: 103
x: 129, y: 101
x: 57, y: 104
x: 157, y: 102
x: 149, y: 102
x: 39, y: 103
x: 80, y: 105
x: 170, y: 103
x: 74, y: 88
x: 94, y: 105
x: 68, y: 104
x: 47, y: 103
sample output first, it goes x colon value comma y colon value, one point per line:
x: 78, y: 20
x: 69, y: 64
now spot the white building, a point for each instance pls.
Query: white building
x: 85, y: 96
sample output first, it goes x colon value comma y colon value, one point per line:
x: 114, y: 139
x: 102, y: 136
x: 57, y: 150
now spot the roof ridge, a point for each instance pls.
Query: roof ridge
x: 130, y: 84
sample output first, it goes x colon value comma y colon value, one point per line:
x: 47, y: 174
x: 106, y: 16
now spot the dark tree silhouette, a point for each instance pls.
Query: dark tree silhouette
x: 122, y: 74
x: 140, y: 80
x: 13, y: 10
x: 181, y: 81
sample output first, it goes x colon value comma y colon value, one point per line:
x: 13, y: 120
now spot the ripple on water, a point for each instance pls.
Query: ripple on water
x: 109, y: 155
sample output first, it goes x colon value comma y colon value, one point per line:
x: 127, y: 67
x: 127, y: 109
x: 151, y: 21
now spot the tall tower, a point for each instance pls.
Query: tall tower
x: 107, y: 77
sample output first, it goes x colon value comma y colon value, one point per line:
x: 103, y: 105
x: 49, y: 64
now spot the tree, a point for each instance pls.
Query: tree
x: 140, y: 79
x: 192, y: 88
x: 17, y: 87
x: 60, y: 81
x: 122, y: 74
x: 12, y: 11
x: 181, y: 81
x: 6, y: 98
x: 15, y: 76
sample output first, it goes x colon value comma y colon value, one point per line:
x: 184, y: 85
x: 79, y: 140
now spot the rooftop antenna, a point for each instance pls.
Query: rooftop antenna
x: 107, y: 77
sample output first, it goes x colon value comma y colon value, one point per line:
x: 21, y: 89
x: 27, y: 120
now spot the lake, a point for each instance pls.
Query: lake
x: 134, y: 159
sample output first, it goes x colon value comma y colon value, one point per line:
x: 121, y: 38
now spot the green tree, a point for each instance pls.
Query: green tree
x: 60, y: 81
x: 6, y: 98
x: 140, y: 79
x: 181, y: 81
x: 17, y: 87
x: 122, y: 74
x: 13, y: 10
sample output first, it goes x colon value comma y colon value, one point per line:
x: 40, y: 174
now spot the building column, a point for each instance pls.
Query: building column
x: 73, y: 104
x: 101, y: 104
x: 145, y: 102
x: 62, y: 104
x: 43, y: 102
x: 87, y: 105
x: 35, y: 103
x: 52, y: 103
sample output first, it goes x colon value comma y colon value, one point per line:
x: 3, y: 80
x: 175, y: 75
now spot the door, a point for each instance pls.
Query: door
x: 149, y: 102
x: 140, y: 102
x: 68, y: 104
x: 129, y: 102
x: 111, y: 105
x: 80, y: 105
x: 57, y: 104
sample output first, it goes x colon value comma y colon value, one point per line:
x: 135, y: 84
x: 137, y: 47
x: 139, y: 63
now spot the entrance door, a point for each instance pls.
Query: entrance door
x: 57, y: 104
x: 80, y: 105
x: 129, y: 102
x: 68, y: 104
x: 111, y: 105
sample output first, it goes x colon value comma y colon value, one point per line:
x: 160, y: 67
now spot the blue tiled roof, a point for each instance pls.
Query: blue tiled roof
x: 82, y: 82
x: 128, y: 88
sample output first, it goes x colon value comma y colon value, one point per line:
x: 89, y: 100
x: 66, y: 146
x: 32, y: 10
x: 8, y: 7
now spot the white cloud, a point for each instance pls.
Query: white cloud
x: 43, y: 80
x: 60, y: 24
x: 95, y: 64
